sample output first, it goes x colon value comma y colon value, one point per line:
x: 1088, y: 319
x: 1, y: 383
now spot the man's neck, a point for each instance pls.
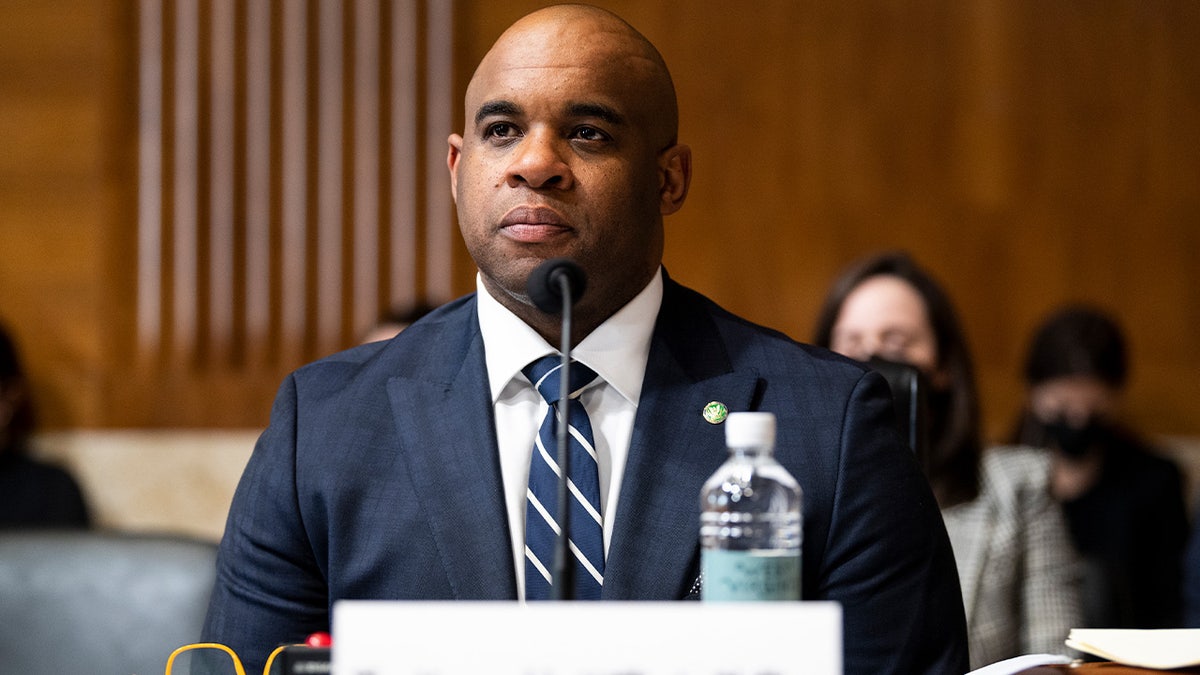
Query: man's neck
x: 584, y: 319
x: 589, y: 313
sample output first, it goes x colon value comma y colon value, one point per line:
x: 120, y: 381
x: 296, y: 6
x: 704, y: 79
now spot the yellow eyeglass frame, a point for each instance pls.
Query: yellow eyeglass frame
x: 237, y: 662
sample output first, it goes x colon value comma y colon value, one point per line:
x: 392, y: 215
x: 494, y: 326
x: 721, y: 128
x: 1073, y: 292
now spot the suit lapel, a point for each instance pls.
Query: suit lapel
x: 673, y: 451
x: 451, y: 451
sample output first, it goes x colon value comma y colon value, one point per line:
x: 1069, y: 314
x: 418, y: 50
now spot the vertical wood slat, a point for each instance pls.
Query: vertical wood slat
x: 221, y: 176
x: 439, y: 93
x: 293, y: 245
x: 402, y: 254
x: 365, y: 268
x: 184, y: 265
x: 150, y: 179
x: 329, y: 176
x: 259, y: 135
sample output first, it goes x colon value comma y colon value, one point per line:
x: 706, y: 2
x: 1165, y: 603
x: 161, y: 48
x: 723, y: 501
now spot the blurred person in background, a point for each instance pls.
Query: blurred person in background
x: 395, y: 320
x: 33, y: 494
x: 1015, y: 561
x: 1123, y: 502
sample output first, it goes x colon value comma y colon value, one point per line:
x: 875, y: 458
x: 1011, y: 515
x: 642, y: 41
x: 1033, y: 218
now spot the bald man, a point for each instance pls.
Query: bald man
x: 399, y: 470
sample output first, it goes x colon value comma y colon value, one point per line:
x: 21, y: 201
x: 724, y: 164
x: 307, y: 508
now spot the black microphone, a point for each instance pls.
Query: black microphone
x: 555, y: 286
x: 545, y: 285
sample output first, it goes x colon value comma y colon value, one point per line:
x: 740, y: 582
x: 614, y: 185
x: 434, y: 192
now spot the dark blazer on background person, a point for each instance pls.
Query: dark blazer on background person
x: 379, y: 478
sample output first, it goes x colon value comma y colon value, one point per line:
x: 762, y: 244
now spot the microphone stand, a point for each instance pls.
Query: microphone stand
x: 554, y: 284
x: 563, y: 574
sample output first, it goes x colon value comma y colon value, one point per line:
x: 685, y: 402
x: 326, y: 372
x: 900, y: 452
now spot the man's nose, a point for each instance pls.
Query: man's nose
x: 539, y: 163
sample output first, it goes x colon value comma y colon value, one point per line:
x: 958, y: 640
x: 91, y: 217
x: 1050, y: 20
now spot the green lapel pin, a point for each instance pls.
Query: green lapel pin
x: 715, y: 412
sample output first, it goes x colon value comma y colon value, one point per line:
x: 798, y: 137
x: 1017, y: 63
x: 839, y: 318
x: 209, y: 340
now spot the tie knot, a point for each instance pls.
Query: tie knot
x: 545, y: 372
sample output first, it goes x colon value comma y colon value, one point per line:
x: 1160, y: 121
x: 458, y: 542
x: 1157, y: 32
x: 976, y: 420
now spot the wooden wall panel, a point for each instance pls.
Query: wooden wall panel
x: 1028, y: 152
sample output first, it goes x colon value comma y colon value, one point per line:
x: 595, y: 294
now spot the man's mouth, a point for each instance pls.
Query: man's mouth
x: 533, y: 224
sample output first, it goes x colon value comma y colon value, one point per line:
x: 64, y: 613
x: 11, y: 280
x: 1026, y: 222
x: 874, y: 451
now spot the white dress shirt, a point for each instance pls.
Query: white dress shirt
x: 617, y: 350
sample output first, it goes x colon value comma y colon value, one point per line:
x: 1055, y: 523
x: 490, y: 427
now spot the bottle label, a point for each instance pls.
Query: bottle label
x: 749, y: 576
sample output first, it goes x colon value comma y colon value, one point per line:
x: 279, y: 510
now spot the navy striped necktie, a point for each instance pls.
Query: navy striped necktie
x: 586, y: 526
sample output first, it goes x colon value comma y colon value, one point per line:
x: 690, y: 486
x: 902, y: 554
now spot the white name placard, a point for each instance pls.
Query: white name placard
x: 373, y: 637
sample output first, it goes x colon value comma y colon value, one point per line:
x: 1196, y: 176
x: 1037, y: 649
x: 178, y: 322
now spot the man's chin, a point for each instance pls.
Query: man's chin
x: 513, y: 286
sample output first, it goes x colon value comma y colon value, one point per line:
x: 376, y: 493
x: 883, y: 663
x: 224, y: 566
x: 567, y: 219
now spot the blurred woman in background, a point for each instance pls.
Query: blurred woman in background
x: 1123, y: 502
x: 33, y: 494
x: 1015, y: 561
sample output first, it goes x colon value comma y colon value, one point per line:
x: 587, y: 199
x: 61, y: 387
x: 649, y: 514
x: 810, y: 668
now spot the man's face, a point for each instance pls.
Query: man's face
x: 560, y: 159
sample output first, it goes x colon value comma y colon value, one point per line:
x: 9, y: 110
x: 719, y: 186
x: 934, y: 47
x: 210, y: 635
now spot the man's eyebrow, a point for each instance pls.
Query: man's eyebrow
x: 502, y: 108
x: 599, y: 110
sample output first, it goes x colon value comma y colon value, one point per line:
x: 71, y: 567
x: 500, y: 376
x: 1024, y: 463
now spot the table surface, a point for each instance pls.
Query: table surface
x: 1100, y: 668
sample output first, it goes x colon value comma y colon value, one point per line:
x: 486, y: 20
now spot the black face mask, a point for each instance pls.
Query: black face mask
x: 1075, y: 442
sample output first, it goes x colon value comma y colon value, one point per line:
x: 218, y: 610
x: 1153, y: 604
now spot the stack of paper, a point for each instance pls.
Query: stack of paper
x: 1164, y: 648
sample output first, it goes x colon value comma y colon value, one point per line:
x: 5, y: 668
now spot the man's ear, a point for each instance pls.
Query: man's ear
x: 675, y: 176
x: 453, y: 155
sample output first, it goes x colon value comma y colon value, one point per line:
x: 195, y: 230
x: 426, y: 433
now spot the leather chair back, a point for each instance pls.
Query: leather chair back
x: 102, y: 603
x: 909, y: 398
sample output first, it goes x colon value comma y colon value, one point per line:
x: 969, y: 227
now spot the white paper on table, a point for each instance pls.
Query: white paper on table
x: 1163, y: 648
x: 1021, y: 663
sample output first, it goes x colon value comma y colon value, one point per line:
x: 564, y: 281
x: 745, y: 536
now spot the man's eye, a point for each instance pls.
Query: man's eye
x: 591, y: 134
x: 500, y: 130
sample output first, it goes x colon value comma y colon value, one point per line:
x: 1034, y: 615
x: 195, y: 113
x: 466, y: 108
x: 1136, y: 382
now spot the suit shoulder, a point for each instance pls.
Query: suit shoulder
x: 412, y: 348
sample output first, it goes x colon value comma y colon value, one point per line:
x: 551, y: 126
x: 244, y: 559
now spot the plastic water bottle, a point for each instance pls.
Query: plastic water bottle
x: 750, y: 520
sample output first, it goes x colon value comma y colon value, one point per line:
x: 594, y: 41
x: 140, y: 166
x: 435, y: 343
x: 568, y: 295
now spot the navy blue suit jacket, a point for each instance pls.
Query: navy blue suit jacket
x: 379, y: 477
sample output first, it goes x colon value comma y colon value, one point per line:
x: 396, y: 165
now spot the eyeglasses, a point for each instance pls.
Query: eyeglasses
x: 237, y: 662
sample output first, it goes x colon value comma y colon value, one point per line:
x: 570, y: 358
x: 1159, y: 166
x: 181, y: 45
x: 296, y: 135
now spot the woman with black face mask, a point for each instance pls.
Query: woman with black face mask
x: 1015, y: 561
x: 1124, y: 504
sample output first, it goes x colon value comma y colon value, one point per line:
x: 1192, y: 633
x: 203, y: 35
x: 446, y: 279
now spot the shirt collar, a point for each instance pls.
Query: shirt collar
x: 617, y: 349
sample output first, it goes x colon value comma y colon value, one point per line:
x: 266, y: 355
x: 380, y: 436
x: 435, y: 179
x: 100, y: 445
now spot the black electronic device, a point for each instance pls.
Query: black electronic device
x: 302, y: 660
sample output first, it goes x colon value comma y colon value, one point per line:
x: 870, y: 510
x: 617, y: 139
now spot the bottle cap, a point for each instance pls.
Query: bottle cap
x: 747, y: 429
